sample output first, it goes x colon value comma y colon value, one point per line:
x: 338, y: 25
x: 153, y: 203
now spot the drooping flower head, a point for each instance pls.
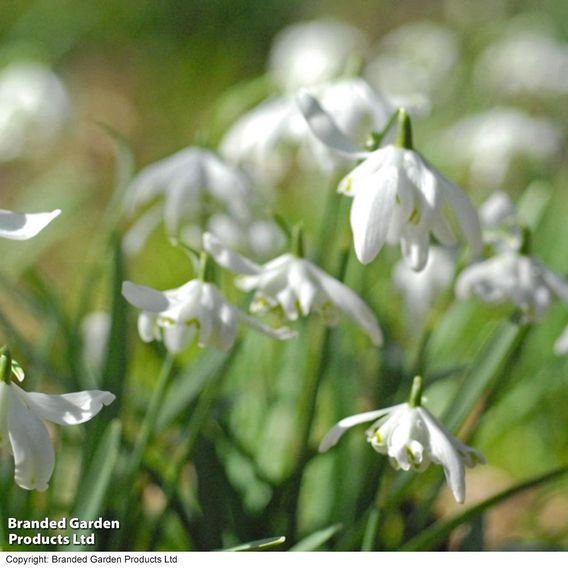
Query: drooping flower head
x: 22, y: 429
x: 295, y: 286
x: 413, y: 438
x: 397, y: 195
x: 196, y: 309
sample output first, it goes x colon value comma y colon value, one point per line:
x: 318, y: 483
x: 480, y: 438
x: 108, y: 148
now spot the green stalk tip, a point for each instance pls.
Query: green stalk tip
x: 404, y: 132
x: 5, y: 365
x: 297, y: 242
x: 416, y: 392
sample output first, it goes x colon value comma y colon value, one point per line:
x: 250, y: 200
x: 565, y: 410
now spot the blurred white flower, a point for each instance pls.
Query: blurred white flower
x: 262, y: 238
x: 501, y: 228
x: 313, y: 52
x: 413, y: 439
x: 489, y: 142
x: 23, y: 226
x: 265, y: 140
x: 513, y: 277
x: 397, y: 195
x: 95, y: 329
x: 421, y: 289
x: 296, y: 286
x: 561, y: 345
x: 524, y: 62
x: 34, y: 107
x: 416, y: 59
x: 197, y: 308
x: 22, y: 429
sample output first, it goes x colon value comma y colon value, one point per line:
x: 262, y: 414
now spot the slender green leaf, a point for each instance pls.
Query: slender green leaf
x: 317, y: 539
x: 93, y: 491
x: 257, y: 544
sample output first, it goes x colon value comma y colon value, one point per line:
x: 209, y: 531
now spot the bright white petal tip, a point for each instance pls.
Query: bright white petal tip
x: 23, y: 226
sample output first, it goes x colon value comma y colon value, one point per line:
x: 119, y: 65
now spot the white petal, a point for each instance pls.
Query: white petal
x: 148, y: 329
x: 22, y: 226
x: 557, y: 283
x: 332, y: 437
x: 145, y: 298
x: 465, y: 213
x: 561, y: 345
x: 229, y: 259
x: 445, y: 453
x: 66, y: 409
x: 350, y: 304
x: 415, y: 243
x: 177, y: 337
x: 31, y: 445
x: 136, y: 237
x: 371, y: 213
x: 324, y: 127
x: 227, y: 328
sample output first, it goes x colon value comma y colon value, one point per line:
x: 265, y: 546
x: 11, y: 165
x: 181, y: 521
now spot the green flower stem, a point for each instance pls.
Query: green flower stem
x: 146, y: 431
x: 297, y: 241
x: 416, y: 392
x: 190, y: 436
x: 306, y: 417
x: 404, y: 132
x: 5, y: 365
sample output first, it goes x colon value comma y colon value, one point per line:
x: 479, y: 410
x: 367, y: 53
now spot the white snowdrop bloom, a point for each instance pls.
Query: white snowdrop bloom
x: 397, y: 195
x: 415, y: 58
x: 413, y: 439
x: 513, y: 277
x: 296, y: 286
x: 191, y: 182
x: 489, y: 142
x: 23, y: 226
x: 95, y: 329
x: 421, y: 289
x: 34, y: 107
x: 23, y: 432
x: 524, y: 62
x: 561, y: 345
x: 313, y: 52
x: 265, y: 140
x: 260, y: 237
x: 195, y: 309
x: 501, y: 228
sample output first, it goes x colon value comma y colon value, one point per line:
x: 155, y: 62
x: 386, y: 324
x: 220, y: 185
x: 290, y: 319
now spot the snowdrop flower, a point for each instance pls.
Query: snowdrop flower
x: 421, y: 289
x: 186, y: 181
x: 501, y: 228
x: 22, y: 429
x: 265, y: 140
x: 23, y: 226
x: 310, y: 53
x: 413, y: 439
x: 561, y: 345
x: 296, y: 286
x: 34, y: 107
x: 397, y: 195
x: 197, y: 308
x: 95, y: 330
x: 489, y: 143
x: 515, y: 277
x: 525, y: 62
x: 415, y: 58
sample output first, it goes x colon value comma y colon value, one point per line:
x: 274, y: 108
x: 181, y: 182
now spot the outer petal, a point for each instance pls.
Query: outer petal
x: 561, y: 344
x: 371, y: 213
x: 350, y: 304
x: 229, y: 259
x: 65, y: 409
x: 324, y: 127
x: 557, y: 283
x: 332, y: 437
x: 445, y: 453
x: 31, y: 445
x: 145, y: 298
x: 177, y: 337
x: 465, y: 213
x: 23, y: 226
